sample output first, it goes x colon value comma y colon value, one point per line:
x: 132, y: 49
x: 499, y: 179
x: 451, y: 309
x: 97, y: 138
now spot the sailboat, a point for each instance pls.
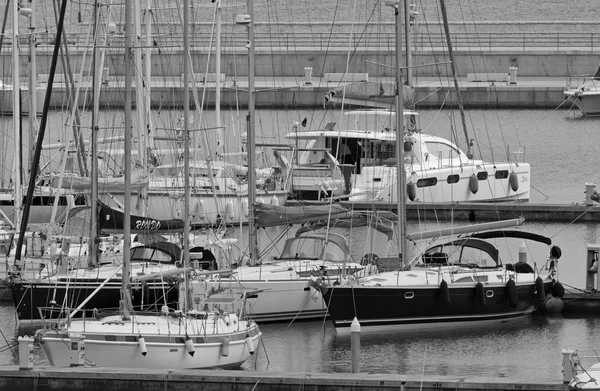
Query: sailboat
x: 355, y: 159
x: 461, y: 282
x: 169, y: 339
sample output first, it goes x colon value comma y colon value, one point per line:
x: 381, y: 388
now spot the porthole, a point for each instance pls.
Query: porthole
x: 482, y: 176
x: 409, y: 295
x: 453, y: 178
x: 501, y: 174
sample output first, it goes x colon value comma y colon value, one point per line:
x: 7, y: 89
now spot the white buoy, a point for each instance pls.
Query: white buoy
x: 189, y: 346
x: 225, y: 347
x: 142, y: 343
x: 245, y: 207
x: 249, y: 344
x: 355, y: 345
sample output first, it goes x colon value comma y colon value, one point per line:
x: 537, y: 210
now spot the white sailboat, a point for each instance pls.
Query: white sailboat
x: 459, y: 283
x: 177, y: 339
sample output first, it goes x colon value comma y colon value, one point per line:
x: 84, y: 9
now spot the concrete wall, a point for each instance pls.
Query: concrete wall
x: 292, y: 63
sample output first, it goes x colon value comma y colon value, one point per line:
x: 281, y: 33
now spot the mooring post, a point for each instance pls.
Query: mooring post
x: 25, y: 352
x: 567, y: 368
x: 355, y: 345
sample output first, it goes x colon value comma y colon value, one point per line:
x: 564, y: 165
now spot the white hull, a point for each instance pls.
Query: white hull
x: 278, y: 300
x: 358, y: 161
x: 379, y: 184
x: 586, y: 101
x: 109, y: 342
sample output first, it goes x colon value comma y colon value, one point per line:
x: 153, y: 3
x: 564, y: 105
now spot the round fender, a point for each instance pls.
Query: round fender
x: 444, y: 292
x: 511, y: 292
x: 479, y: 294
x: 539, y: 288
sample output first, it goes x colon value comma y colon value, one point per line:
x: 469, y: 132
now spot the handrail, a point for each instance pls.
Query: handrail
x: 358, y: 40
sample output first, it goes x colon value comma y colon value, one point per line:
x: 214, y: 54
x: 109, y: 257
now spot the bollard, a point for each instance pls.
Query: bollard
x: 567, y: 369
x: 25, y: 352
x: 402, y: 383
x: 589, y: 193
x: 355, y: 345
x: 77, y: 349
x: 308, y: 75
x: 512, y: 79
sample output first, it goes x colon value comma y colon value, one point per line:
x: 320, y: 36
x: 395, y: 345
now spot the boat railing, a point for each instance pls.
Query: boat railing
x: 327, y: 40
x: 581, y: 360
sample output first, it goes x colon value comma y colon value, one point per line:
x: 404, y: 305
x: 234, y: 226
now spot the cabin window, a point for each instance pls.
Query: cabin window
x: 425, y: 182
x: 130, y: 338
x: 441, y: 150
x: 463, y: 279
x: 453, y: 178
x: 501, y: 174
x: 482, y: 176
x: 110, y: 338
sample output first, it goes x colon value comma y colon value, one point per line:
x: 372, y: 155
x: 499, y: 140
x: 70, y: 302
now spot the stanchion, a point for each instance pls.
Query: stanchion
x: 355, y: 345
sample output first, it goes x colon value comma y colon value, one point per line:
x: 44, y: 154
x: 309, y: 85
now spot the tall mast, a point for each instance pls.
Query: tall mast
x: 140, y: 103
x: 408, y: 45
x: 400, y: 171
x: 125, y: 295
x: 32, y: 77
x: 455, y: 78
x: 220, y: 146
x: 37, y: 151
x: 16, y: 115
x: 92, y: 261
x: 186, y: 151
x: 253, y: 245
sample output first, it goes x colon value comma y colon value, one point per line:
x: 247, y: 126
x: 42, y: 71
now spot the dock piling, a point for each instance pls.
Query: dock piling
x: 355, y: 345
x: 25, y: 352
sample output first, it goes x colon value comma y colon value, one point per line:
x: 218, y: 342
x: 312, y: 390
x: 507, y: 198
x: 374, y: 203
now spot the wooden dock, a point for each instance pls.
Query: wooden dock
x: 483, y: 211
x: 93, y: 378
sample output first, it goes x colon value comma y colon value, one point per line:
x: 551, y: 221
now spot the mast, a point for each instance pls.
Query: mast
x: 92, y: 261
x: 248, y: 21
x: 220, y: 145
x: 40, y: 139
x: 453, y: 67
x: 400, y: 170
x: 186, y: 152
x: 32, y: 76
x: 140, y: 105
x: 125, y: 295
x: 408, y: 43
x: 16, y: 116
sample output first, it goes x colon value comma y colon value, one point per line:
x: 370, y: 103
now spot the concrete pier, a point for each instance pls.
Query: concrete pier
x: 540, y: 79
x: 90, y: 379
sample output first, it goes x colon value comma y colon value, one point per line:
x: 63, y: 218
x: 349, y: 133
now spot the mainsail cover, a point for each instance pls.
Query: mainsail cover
x: 268, y: 215
x: 111, y: 221
x: 139, y: 180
